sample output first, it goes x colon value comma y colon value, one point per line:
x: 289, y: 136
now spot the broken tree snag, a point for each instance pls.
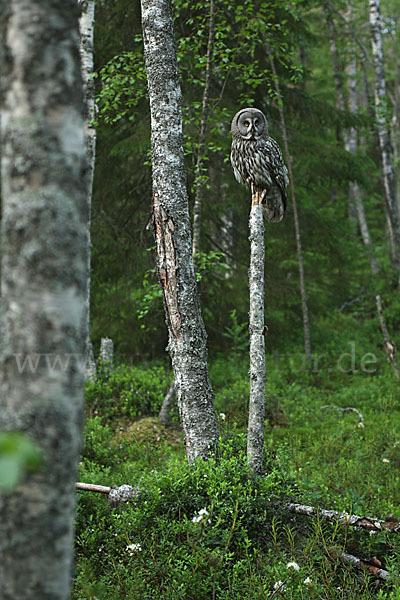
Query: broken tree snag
x: 255, y: 431
x: 389, y: 345
x: 163, y: 233
x: 390, y: 524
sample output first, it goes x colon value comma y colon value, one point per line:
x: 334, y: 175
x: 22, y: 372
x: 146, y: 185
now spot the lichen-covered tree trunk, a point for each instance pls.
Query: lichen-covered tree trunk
x: 43, y: 285
x: 187, y: 336
x: 388, y: 175
x: 86, y: 28
x: 255, y: 430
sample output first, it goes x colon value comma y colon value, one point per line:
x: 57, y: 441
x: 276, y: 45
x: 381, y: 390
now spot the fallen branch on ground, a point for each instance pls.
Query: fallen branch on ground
x: 371, y: 524
x: 116, y: 495
x: 124, y: 493
x: 344, y: 410
x: 373, y: 565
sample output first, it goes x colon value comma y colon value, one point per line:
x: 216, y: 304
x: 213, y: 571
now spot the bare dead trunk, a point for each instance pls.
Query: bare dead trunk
x: 388, y: 175
x: 199, y: 177
x: 43, y: 285
x: 107, y: 353
x: 304, y: 305
x: 187, y: 335
x: 255, y: 431
x: 86, y: 28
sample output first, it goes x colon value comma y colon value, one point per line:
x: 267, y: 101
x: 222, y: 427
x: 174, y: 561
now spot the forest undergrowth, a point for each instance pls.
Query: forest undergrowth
x: 212, y: 532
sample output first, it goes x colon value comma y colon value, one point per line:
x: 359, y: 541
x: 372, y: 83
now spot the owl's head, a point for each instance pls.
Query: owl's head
x: 249, y: 124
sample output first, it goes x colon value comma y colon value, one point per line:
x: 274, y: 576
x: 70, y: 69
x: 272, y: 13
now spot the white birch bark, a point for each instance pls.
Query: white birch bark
x: 167, y: 404
x: 388, y: 175
x: 43, y: 285
x: 187, y: 335
x: 255, y: 430
x: 86, y: 28
x: 351, y: 144
x: 107, y: 353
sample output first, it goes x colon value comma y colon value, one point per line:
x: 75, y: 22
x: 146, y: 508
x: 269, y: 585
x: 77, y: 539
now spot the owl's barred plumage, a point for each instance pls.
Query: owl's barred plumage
x: 257, y: 161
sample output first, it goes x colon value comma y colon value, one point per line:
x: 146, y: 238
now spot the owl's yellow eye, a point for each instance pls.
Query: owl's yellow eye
x: 256, y: 122
x: 246, y: 123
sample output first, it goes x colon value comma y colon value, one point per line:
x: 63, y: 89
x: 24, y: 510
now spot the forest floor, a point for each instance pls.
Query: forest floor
x: 211, y: 532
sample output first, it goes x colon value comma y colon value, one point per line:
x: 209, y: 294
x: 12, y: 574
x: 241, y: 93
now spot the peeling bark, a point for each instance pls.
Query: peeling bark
x: 255, y: 430
x: 187, y: 335
x: 43, y: 286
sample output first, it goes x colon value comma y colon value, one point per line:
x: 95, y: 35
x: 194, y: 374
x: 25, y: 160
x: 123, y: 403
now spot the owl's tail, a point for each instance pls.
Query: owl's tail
x: 274, y: 205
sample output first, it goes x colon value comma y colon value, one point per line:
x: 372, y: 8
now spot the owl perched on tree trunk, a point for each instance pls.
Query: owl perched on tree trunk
x: 257, y: 161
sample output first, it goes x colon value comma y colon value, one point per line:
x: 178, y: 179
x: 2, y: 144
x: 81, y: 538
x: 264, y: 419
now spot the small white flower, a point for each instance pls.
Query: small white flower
x: 385, y: 460
x: 222, y: 416
x: 372, y: 532
x: 200, y: 515
x: 279, y: 586
x: 360, y: 425
x: 293, y: 565
x: 133, y: 548
x: 308, y: 581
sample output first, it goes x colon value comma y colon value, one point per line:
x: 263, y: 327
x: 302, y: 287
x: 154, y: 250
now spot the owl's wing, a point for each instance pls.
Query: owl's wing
x: 273, y: 163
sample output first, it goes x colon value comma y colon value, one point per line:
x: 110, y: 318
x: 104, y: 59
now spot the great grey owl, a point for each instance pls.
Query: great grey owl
x: 257, y: 161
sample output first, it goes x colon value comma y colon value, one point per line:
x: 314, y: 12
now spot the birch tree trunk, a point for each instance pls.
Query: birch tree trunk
x: 167, y: 404
x: 43, y: 284
x: 351, y: 144
x: 255, y: 430
x: 388, y: 175
x: 356, y: 204
x: 199, y: 183
x: 86, y: 28
x: 187, y: 335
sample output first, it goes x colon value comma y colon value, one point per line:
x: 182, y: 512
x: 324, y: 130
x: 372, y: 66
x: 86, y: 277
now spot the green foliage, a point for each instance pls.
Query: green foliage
x: 195, y: 529
x: 237, y: 333
x: 127, y: 392
x: 18, y: 455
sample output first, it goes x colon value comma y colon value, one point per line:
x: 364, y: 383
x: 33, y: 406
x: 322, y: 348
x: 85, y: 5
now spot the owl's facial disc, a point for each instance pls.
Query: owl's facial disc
x: 251, y: 124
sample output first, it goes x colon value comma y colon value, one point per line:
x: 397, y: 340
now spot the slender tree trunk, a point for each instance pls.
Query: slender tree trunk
x: 86, y: 27
x: 351, y: 143
x: 199, y: 181
x: 187, y: 335
x: 304, y: 305
x: 107, y: 353
x: 167, y: 404
x: 255, y: 431
x: 390, y: 346
x: 388, y: 175
x: 44, y: 271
